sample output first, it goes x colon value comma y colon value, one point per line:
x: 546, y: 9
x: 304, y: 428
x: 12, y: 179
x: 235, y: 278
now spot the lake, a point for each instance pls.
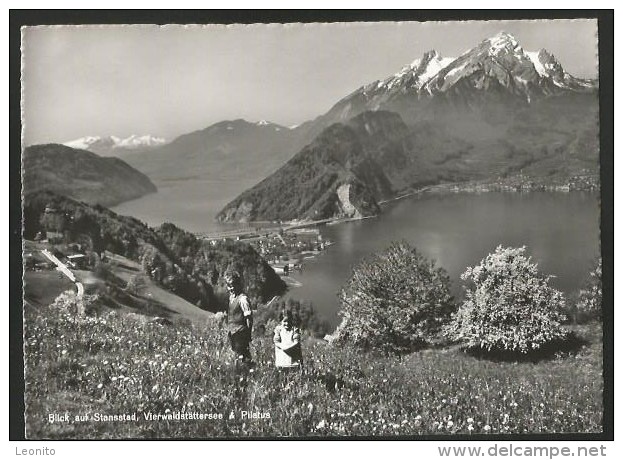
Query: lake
x: 190, y: 204
x: 560, y: 231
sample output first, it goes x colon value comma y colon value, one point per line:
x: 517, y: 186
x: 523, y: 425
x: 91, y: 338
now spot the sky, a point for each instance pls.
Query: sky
x: 171, y: 80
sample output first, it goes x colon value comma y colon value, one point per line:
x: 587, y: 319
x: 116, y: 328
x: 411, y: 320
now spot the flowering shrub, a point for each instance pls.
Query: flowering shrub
x: 69, y: 303
x: 508, y: 306
x: 589, y: 303
x: 396, y: 301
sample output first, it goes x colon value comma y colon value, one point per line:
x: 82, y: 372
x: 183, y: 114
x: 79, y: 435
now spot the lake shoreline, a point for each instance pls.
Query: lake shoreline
x: 586, y: 183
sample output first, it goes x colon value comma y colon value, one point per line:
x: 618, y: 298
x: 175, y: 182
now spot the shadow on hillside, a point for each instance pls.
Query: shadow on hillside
x: 556, y: 349
x: 116, y: 298
x: 142, y: 305
x: 123, y: 266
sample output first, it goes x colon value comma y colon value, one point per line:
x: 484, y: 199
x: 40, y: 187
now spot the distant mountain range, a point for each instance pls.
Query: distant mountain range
x: 233, y: 149
x: 498, y: 76
x: 81, y: 175
x: 115, y: 146
x: 493, y: 112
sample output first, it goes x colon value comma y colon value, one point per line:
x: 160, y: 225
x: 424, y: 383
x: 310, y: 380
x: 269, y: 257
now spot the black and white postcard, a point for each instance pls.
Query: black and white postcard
x: 313, y: 230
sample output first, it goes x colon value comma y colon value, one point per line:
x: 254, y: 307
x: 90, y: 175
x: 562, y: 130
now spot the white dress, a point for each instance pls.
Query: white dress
x: 287, y: 347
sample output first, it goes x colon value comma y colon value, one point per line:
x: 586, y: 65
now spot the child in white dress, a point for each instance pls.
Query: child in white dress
x: 287, y: 339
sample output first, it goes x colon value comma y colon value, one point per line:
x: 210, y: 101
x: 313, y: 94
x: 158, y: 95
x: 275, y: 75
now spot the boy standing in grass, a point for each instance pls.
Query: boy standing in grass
x: 239, y: 318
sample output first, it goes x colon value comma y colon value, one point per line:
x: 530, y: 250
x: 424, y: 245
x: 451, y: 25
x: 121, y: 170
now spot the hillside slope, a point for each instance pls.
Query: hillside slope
x: 334, y: 175
x: 175, y: 259
x: 82, y: 175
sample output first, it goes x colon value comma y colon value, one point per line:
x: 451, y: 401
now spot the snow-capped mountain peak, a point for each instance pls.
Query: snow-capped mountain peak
x: 546, y: 64
x: 497, y: 69
x: 549, y: 68
x: 538, y: 65
x: 87, y: 142
x: 275, y: 126
x: 106, y: 144
x: 502, y: 60
x: 135, y: 141
x: 431, y: 64
x: 503, y: 41
x: 416, y: 74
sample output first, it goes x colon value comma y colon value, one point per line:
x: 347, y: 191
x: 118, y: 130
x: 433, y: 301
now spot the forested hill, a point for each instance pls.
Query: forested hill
x: 174, y: 258
x: 82, y: 175
x: 351, y: 166
x: 347, y: 169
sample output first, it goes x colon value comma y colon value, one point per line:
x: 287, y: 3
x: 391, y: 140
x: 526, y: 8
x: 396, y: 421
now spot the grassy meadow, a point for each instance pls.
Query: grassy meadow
x: 122, y: 363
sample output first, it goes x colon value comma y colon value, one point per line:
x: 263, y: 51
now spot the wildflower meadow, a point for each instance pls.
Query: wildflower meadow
x: 98, y: 367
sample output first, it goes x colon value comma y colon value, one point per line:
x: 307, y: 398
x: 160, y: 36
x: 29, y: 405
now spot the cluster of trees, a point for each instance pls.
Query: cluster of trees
x: 210, y: 262
x: 98, y: 228
x: 398, y: 301
x: 176, y: 278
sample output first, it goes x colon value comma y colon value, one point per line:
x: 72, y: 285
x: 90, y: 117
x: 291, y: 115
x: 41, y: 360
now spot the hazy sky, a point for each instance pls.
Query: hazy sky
x: 170, y: 80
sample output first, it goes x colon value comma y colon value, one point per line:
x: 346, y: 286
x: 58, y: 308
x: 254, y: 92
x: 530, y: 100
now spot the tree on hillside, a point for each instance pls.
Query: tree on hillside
x: 136, y: 284
x: 508, y: 306
x: 396, y: 301
x: 54, y: 221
